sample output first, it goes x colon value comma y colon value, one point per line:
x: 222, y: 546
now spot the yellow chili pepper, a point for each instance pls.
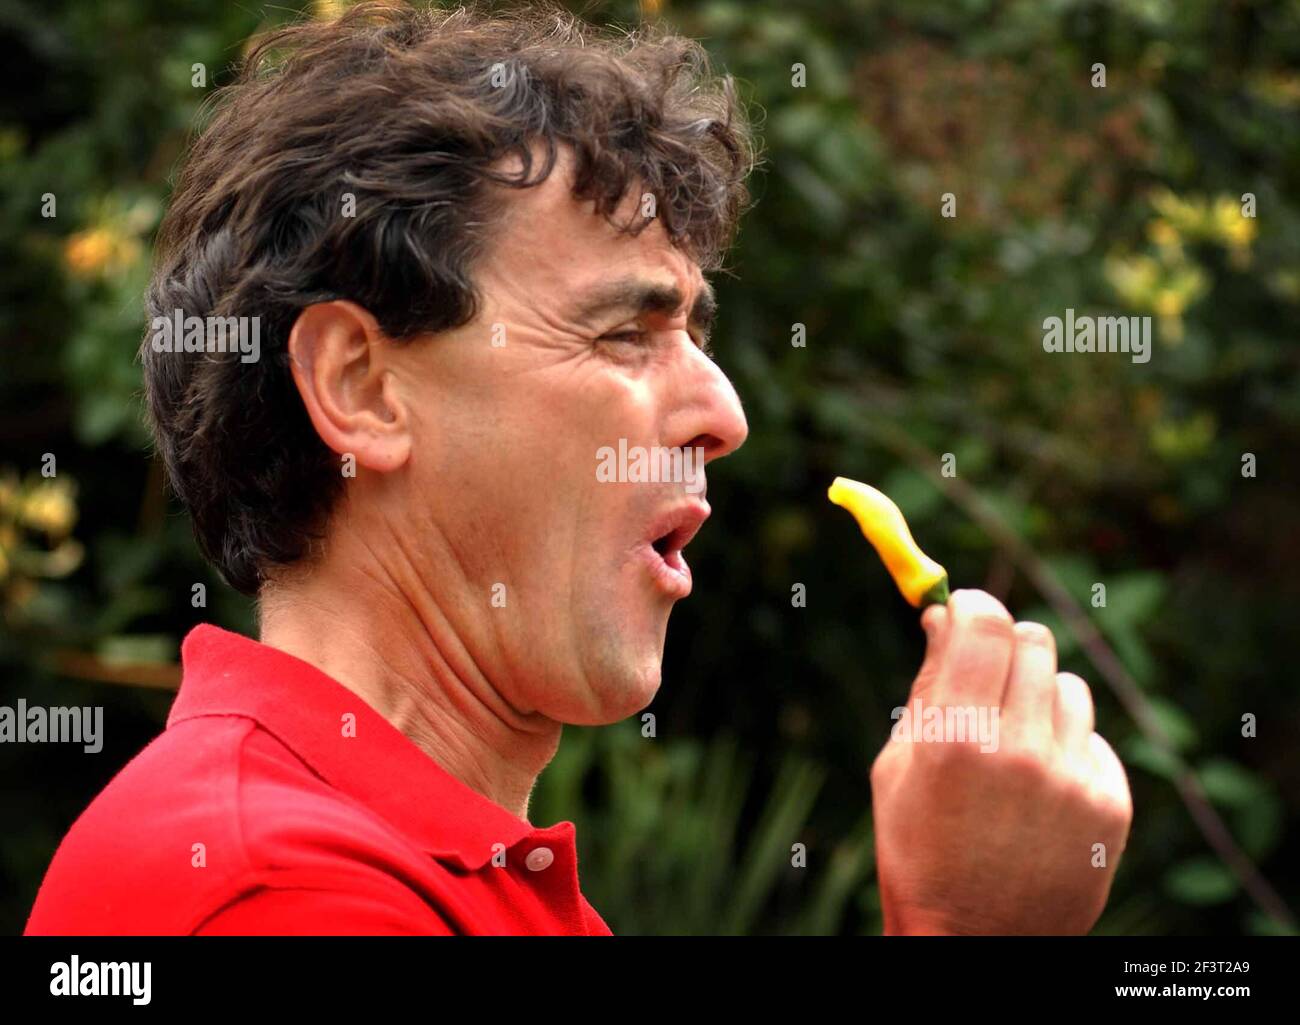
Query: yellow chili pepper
x: 921, y: 580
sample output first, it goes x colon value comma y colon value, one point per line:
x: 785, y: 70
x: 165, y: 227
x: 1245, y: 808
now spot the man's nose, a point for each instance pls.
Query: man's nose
x: 709, y: 413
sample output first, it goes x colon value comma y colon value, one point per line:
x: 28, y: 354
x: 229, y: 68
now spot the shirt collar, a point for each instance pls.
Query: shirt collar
x: 229, y: 674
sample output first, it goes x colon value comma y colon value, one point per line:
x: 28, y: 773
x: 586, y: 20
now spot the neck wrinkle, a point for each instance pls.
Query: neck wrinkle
x: 381, y: 631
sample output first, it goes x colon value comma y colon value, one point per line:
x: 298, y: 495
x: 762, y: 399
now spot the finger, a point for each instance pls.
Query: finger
x: 1074, y: 717
x: 1110, y: 781
x: 1029, y: 704
x: 935, y: 622
x: 981, y: 638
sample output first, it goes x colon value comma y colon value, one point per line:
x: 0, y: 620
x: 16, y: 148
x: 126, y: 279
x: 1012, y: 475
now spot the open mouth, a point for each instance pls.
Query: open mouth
x: 670, y: 547
x: 671, y: 533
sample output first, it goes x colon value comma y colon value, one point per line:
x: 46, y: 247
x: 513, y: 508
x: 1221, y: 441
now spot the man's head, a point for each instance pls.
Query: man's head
x: 475, y: 246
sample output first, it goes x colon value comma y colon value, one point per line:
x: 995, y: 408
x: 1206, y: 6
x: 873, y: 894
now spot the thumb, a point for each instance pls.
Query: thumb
x: 934, y: 621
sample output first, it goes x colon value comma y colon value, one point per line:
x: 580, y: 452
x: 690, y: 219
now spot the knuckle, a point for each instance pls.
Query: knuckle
x: 992, y: 626
x: 971, y: 604
x: 1025, y: 768
x: 958, y: 756
x: 1029, y: 632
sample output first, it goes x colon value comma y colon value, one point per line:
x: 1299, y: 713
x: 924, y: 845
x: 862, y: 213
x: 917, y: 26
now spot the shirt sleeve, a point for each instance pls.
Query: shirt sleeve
x: 347, y: 908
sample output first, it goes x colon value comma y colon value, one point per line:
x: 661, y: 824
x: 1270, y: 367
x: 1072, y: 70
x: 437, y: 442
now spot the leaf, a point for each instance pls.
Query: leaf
x: 851, y: 863
x: 769, y: 848
x: 1076, y: 573
x: 1142, y: 753
x: 138, y: 648
x: 1200, y: 882
x: 1176, y: 723
x: 1131, y: 599
x: 1229, y: 784
x: 1259, y: 826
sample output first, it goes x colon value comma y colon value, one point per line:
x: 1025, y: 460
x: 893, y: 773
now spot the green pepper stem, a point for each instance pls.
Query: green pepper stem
x: 937, y: 594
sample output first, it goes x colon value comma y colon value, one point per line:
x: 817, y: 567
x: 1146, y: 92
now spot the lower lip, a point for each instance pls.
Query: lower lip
x: 673, y: 579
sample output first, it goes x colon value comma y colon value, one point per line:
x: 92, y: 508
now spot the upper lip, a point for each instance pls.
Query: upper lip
x: 679, y: 524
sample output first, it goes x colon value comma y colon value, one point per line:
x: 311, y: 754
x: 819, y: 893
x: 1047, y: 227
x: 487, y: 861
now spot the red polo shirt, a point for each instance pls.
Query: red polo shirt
x: 278, y: 801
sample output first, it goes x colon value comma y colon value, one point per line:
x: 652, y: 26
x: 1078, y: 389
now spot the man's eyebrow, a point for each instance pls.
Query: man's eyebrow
x: 638, y: 296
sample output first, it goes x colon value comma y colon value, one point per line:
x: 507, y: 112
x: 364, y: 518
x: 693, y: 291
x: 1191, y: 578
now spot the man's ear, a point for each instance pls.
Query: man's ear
x: 340, y: 359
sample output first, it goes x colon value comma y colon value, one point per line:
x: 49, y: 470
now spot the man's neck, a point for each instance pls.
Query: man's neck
x: 398, y: 654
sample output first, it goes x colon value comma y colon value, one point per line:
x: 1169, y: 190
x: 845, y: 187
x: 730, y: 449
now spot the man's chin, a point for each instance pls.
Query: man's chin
x: 619, y: 694
x: 621, y: 660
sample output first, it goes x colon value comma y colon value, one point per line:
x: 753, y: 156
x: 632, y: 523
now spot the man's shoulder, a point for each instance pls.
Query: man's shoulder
x: 214, y: 808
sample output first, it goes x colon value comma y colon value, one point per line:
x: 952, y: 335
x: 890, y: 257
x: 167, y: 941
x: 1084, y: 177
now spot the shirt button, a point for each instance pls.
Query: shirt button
x: 539, y: 858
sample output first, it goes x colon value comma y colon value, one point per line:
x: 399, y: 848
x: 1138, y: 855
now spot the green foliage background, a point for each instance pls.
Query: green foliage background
x: 923, y: 336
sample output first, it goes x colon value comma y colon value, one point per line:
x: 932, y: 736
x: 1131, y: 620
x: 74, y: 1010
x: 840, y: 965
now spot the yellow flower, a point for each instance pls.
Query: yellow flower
x: 1184, y: 214
x: 1164, y: 234
x: 1239, y: 232
x: 49, y: 506
x: 100, y: 251
x: 1169, y: 303
x: 86, y: 252
x: 1133, y: 277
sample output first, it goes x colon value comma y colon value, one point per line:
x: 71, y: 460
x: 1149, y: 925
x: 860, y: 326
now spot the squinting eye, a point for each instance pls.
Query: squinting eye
x: 623, y: 336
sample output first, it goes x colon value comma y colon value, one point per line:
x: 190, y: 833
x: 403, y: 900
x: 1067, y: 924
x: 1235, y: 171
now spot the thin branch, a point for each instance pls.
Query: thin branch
x: 83, y: 666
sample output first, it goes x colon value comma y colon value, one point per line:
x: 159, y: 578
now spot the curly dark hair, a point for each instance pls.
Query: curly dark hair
x: 409, y: 111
